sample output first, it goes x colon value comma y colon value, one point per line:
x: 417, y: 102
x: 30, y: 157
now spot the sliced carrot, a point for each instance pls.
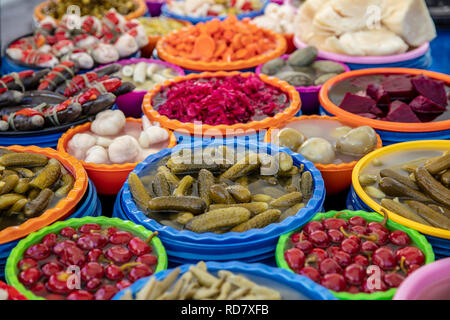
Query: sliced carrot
x: 213, y: 26
x: 241, y: 54
x: 220, y: 48
x: 204, y: 46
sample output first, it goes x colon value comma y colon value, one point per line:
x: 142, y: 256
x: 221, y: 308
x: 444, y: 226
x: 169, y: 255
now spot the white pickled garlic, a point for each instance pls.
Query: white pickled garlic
x: 80, y: 143
x: 96, y: 154
x: 108, y: 123
x: 153, y: 135
x: 124, y: 149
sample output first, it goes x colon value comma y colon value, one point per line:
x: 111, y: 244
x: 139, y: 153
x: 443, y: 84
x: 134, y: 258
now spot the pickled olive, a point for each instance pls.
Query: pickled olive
x: 261, y: 198
x: 140, y: 195
x: 259, y: 221
x: 287, y: 200
x: 254, y: 207
x: 400, y: 178
x: 292, y: 211
x: 242, y: 167
x: 67, y: 185
x: 358, y: 141
x: 432, y: 187
x: 184, y: 217
x: 17, y: 207
x: 170, y: 177
x: 24, y: 172
x: 194, y: 205
x: 285, y: 162
x: 290, y: 138
x: 23, y: 160
x: 217, y: 219
x: 22, y: 186
x: 438, y: 164
x: 205, y: 181
x: 33, y: 193
x: 183, y: 186
x: 374, y: 192
x: 161, y: 187
x: 394, y: 188
x: 401, y: 210
x: 48, y: 176
x: 307, y: 186
x: 218, y: 194
x: 39, y: 204
x: 239, y: 193
x: 9, y: 199
x: 434, y: 218
x: 317, y: 150
x: 368, y: 179
x: 8, y: 183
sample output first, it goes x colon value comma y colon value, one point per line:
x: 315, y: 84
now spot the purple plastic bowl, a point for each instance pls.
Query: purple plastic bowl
x: 430, y: 282
x: 154, y: 7
x: 308, y: 95
x: 131, y: 102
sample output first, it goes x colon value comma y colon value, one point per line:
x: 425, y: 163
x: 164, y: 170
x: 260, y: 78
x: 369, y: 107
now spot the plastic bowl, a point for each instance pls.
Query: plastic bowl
x: 154, y: 7
x: 388, y: 131
x: 18, y: 252
x: 308, y: 95
x: 165, y: 10
x: 190, y: 246
x: 419, y: 58
x: 131, y: 103
x: 337, y: 177
x: 398, y: 148
x: 431, y: 282
x: 13, y: 294
x: 291, y: 287
x: 107, y: 178
x: 63, y: 208
x: 225, y: 130
x: 416, y: 238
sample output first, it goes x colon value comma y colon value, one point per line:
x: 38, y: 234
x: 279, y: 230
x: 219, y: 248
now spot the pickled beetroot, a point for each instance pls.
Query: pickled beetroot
x: 357, y: 104
x: 399, y: 86
x: 431, y: 89
x: 422, y: 104
x: 378, y: 93
x: 401, y: 112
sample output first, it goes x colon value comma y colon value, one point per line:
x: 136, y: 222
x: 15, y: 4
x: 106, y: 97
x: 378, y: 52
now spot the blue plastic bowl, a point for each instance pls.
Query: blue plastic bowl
x: 290, y: 285
x: 185, y: 245
x: 194, y: 20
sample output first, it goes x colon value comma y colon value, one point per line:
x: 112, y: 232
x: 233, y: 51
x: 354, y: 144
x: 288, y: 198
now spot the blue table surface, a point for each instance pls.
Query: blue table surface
x: 440, y: 51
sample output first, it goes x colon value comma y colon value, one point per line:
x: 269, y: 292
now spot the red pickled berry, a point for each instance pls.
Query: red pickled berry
x: 92, y: 270
x: 335, y: 235
x: 93, y: 284
x: 73, y: 256
x: 106, y: 292
x: 376, y: 226
x: 311, y: 273
x: 359, y: 230
x: 147, y: 259
x: 138, y: 246
x: 369, y: 285
x: 393, y: 279
x: 362, y: 260
x: 334, y: 281
x: 30, y: 276
x: 295, y: 237
x: 38, y: 252
x: 295, y: 258
x: 50, y: 240
x: 111, y: 231
x: 312, y: 226
x: 39, y: 289
x: 120, y: 237
x: 412, y: 255
x: 67, y: 232
x: 353, y: 290
x: 350, y: 246
x: 357, y: 221
x: 342, y: 258
x: 355, y: 238
x: 119, y: 254
x: 320, y: 239
x: 369, y: 246
x: 27, y: 263
x: 92, y: 241
x: 332, y: 251
x: 319, y: 254
x: 354, y: 274
x: 306, y: 246
x: 94, y: 255
x: 51, y: 267
x: 114, y: 272
x: 123, y: 284
x: 80, y: 295
x: 88, y: 227
x: 57, y: 283
x: 329, y: 266
x: 139, y: 271
x: 413, y: 268
x: 384, y: 258
x: 334, y: 223
x: 399, y: 238
x: 61, y: 246
x: 380, y: 237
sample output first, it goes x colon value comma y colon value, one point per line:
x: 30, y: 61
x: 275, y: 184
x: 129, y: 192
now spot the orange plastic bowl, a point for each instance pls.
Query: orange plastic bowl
x: 107, y: 178
x: 337, y: 177
x: 356, y: 120
x: 63, y: 208
x: 225, y: 130
x: 140, y: 10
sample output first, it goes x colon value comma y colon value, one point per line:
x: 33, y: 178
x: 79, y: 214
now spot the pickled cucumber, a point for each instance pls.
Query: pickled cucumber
x: 307, y: 186
x: 8, y: 183
x: 140, y: 195
x: 261, y: 198
x: 161, y: 187
x: 434, y: 218
x: 171, y: 203
x: 239, y: 193
x: 183, y: 186
x: 218, y: 194
x: 432, y: 187
x: 48, y: 176
x: 394, y: 188
x: 22, y: 186
x: 205, y: 181
x: 217, y: 219
x: 23, y: 160
x: 170, y: 177
x: 243, y: 167
x: 39, y: 204
x: 254, y: 207
x: 24, y: 172
x: 287, y: 200
x: 259, y: 221
x: 400, y: 178
x: 67, y: 185
x: 17, y: 207
x: 401, y: 210
x: 292, y: 211
x: 9, y: 199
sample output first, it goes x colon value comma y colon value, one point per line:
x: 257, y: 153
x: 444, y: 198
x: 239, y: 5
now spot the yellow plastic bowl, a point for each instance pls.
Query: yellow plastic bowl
x: 398, y: 148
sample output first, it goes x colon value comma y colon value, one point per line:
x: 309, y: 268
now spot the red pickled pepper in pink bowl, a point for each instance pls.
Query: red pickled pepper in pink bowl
x: 223, y: 100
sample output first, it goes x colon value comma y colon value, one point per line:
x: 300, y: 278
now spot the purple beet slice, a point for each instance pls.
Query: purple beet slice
x: 362, y: 81
x: 401, y: 112
x: 423, y: 104
x: 431, y: 89
x: 378, y: 93
x: 399, y: 87
x: 357, y: 104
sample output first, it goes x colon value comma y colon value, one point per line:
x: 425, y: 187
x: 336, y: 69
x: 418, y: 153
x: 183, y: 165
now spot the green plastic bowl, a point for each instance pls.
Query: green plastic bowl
x: 417, y: 239
x: 16, y: 255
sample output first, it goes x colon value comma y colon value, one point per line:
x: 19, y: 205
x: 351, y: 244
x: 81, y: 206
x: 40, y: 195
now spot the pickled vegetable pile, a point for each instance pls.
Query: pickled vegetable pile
x: 31, y: 183
x: 97, y: 8
x: 159, y: 26
x: 278, y: 18
x: 146, y: 75
x: 110, y: 260
x: 227, y: 192
x: 212, y: 7
x: 222, y: 100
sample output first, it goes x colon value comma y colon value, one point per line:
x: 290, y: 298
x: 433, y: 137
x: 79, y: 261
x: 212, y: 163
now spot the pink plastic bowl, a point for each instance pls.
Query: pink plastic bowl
x: 308, y: 95
x: 131, y: 103
x: 430, y: 282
